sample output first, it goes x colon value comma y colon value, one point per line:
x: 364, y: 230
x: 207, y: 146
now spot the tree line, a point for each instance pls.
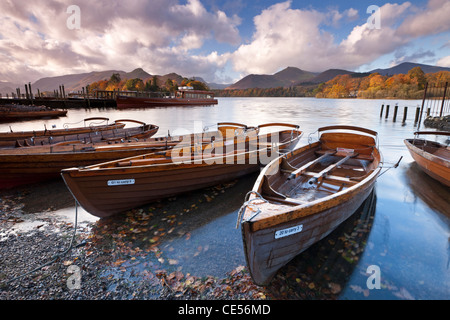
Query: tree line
x: 373, y: 86
x: 153, y: 84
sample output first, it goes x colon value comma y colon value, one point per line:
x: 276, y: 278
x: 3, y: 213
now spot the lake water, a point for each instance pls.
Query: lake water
x: 408, y: 241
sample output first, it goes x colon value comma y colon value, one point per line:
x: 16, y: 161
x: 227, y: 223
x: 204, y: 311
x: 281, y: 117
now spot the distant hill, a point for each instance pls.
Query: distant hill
x: 75, y: 82
x: 8, y: 88
x: 284, y: 78
x: 404, y: 67
x: 331, y: 74
x: 292, y: 76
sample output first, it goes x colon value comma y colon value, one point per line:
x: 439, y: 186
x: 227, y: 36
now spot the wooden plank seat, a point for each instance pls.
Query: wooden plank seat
x: 360, y: 156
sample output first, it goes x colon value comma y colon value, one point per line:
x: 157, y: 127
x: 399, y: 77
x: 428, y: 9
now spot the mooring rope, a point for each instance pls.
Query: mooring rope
x: 248, y: 203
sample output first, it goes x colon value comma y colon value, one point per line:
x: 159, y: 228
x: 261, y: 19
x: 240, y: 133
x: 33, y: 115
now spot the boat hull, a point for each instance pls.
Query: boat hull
x: 133, y: 102
x: 266, y: 255
x: 17, y: 170
x: 110, y: 188
x: 99, y: 196
x: 436, y: 167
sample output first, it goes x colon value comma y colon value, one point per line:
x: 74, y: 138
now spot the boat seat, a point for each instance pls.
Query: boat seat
x: 332, y: 178
x: 359, y: 156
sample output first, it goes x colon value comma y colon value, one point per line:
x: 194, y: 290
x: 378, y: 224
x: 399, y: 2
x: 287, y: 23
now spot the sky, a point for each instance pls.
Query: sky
x: 218, y: 40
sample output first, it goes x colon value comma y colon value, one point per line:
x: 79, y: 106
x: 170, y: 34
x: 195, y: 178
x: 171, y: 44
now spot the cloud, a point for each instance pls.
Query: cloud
x: 294, y: 37
x: 444, y: 62
x: 433, y: 20
x: 159, y: 36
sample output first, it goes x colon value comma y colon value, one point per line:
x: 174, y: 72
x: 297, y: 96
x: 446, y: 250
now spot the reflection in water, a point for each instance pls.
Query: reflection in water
x: 430, y: 191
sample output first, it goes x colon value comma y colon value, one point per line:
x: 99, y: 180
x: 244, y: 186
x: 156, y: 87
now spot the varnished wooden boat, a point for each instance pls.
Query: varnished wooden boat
x: 109, y: 188
x: 14, y: 112
x: 302, y: 196
x: 87, y: 134
x: 431, y: 156
x: 20, y: 166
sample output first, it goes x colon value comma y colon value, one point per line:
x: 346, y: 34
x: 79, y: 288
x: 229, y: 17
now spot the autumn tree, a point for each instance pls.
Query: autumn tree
x: 418, y: 75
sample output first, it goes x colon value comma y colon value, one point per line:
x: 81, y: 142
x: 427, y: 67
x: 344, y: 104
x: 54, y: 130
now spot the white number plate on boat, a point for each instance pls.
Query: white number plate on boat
x: 120, y: 182
x: 288, y: 232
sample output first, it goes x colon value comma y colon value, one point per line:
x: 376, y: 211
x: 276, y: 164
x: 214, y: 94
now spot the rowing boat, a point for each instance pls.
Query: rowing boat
x: 20, y: 166
x: 302, y: 196
x: 113, y: 187
x: 431, y: 156
x: 14, y: 112
x: 89, y: 132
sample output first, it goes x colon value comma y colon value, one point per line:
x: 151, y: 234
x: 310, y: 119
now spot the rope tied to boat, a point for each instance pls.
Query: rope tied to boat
x: 249, y: 204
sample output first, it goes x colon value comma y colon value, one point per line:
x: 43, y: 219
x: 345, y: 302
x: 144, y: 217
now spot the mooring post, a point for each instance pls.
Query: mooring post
x: 428, y: 112
x: 381, y: 112
x: 387, y: 111
x: 443, y: 100
x: 423, y: 104
x: 395, y: 112
x: 405, y: 114
x: 26, y: 92
x: 31, y: 93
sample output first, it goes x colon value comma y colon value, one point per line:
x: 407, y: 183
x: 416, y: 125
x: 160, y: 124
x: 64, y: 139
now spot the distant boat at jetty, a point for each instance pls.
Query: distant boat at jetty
x: 14, y: 112
x: 184, y: 96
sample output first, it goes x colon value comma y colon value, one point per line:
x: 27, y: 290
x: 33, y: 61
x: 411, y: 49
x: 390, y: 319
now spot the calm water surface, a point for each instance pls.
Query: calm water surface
x: 409, y: 237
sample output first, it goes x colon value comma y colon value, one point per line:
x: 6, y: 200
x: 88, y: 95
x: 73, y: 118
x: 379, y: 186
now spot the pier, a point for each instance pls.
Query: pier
x: 435, y: 103
x: 59, y: 99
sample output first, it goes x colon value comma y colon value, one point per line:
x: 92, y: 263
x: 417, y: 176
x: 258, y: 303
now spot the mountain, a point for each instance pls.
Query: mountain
x: 292, y: 76
x: 404, y: 67
x: 331, y: 74
x: 284, y: 78
x: 8, y: 88
x: 75, y: 82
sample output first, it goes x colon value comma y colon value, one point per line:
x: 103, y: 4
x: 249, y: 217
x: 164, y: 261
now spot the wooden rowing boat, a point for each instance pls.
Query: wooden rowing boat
x: 302, y: 196
x: 109, y: 188
x: 86, y: 134
x: 27, y: 165
x: 13, y: 112
x: 431, y: 156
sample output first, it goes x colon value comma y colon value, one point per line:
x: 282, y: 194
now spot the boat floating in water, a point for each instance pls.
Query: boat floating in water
x: 89, y: 132
x: 15, y: 112
x: 302, y: 196
x: 182, y: 97
x: 431, y: 156
x: 109, y: 188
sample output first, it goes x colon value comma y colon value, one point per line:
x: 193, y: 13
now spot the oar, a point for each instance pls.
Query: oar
x: 304, y: 168
x: 324, y: 172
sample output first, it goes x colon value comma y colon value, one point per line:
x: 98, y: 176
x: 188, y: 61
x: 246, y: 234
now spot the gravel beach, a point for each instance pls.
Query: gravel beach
x: 127, y: 257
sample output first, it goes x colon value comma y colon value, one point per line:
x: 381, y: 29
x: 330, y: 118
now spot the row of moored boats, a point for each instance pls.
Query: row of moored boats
x: 301, y: 195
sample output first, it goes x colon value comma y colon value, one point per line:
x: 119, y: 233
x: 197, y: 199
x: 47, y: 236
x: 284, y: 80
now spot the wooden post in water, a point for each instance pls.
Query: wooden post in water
x: 387, y: 111
x: 423, y: 103
x: 395, y: 112
x: 87, y: 94
x: 26, y: 92
x: 31, y: 93
x: 64, y: 92
x: 443, y: 99
x: 405, y: 114
x: 381, y: 112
